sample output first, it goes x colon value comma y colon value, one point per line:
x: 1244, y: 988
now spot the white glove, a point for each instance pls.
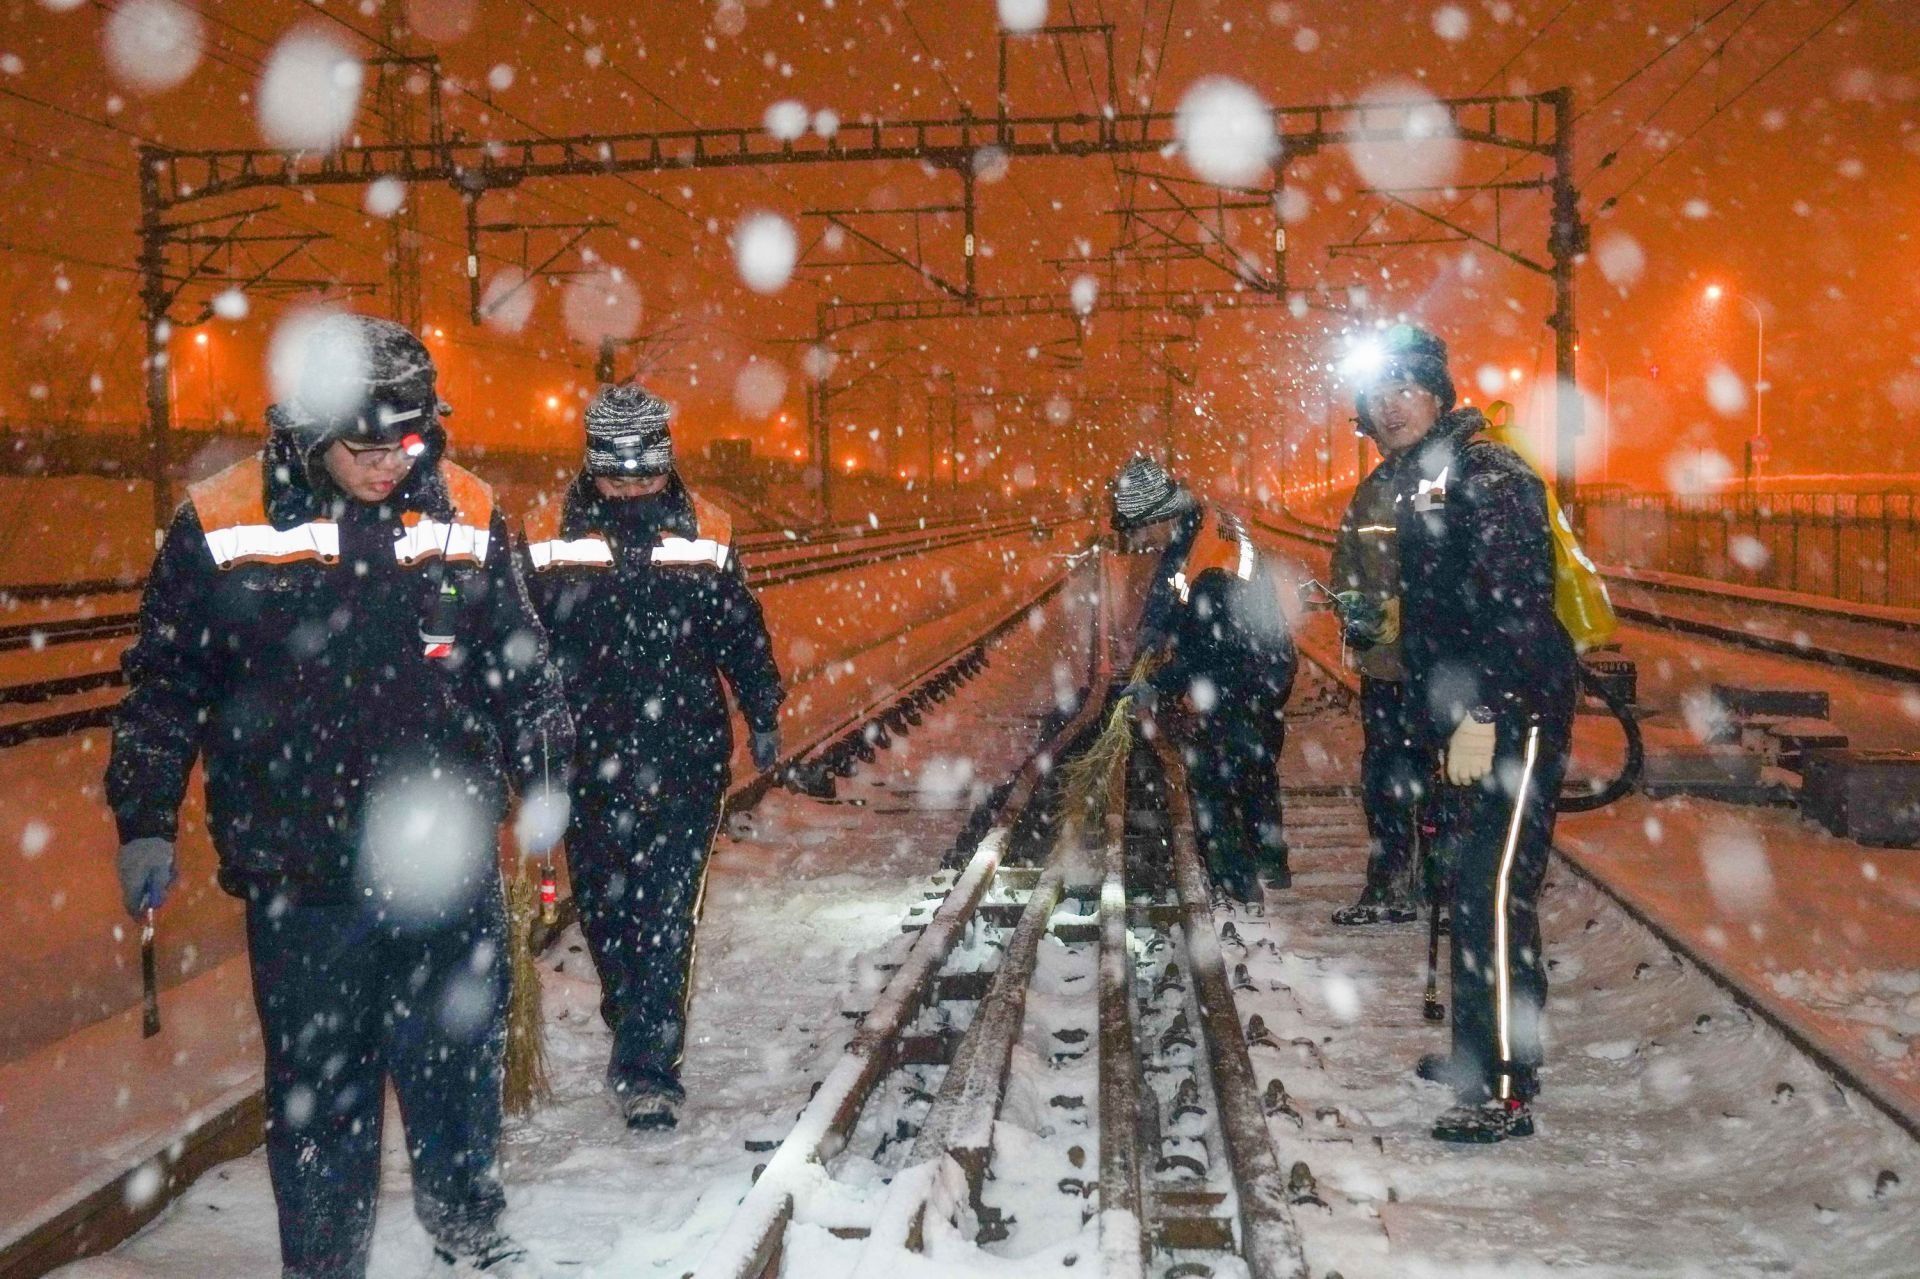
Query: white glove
x: 1469, y: 752
x: 541, y: 822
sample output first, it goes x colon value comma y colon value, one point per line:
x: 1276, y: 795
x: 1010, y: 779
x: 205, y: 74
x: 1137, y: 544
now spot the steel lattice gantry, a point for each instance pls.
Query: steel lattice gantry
x: 1536, y: 125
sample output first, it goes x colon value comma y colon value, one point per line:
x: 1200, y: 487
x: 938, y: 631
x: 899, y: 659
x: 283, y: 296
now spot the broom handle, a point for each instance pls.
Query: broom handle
x: 1430, y: 1005
x: 149, y: 980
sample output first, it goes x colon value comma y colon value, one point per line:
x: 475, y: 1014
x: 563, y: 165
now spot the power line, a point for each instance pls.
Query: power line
x: 1723, y: 107
x: 1659, y: 55
x: 1532, y: 39
x: 59, y: 255
x: 96, y: 121
x: 1714, y: 53
x: 393, y: 50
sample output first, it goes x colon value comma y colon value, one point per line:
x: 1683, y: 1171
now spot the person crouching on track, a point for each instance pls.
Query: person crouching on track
x: 636, y: 577
x: 1491, y: 679
x: 338, y: 627
x: 1396, y: 767
x: 1213, y: 633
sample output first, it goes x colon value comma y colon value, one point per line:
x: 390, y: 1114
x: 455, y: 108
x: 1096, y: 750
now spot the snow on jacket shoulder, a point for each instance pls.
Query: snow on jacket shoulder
x: 1216, y: 611
x: 292, y: 640
x: 649, y: 612
x: 1478, y: 627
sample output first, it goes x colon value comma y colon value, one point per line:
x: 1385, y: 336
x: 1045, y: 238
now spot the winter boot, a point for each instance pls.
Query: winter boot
x: 1484, y: 1122
x: 648, y: 1106
x: 497, y: 1256
x: 1374, y: 912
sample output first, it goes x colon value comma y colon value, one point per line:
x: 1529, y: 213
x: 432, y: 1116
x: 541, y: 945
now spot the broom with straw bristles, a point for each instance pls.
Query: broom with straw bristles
x: 524, y: 1082
x: 1089, y: 781
x: 537, y: 828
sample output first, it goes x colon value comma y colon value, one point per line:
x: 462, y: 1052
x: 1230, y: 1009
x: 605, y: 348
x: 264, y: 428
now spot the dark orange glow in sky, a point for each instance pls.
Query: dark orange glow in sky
x: 1764, y: 146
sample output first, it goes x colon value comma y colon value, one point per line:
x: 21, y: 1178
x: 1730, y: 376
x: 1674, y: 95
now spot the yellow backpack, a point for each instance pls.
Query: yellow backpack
x: 1579, y: 594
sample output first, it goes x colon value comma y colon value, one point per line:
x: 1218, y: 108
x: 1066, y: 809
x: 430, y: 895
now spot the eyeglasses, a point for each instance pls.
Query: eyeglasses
x: 408, y: 448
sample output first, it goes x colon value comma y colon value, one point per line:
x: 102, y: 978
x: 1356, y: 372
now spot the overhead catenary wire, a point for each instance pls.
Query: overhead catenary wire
x: 1712, y: 56
x: 1722, y: 108
x: 1532, y: 39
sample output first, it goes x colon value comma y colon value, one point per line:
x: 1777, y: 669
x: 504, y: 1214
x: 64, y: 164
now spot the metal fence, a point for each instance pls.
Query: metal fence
x: 1860, y: 547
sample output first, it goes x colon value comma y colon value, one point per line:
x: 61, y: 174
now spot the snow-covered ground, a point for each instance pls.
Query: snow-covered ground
x: 800, y: 898
x: 1678, y: 1134
x: 64, y: 958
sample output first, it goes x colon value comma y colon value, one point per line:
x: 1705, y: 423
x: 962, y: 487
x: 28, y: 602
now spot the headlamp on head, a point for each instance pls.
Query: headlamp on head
x: 1365, y: 356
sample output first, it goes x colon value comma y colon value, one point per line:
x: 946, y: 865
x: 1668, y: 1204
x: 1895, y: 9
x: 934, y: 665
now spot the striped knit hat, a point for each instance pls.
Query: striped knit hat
x: 1144, y: 494
x: 627, y: 432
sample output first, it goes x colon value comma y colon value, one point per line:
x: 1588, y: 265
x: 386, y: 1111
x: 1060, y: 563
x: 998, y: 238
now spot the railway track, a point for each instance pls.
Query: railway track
x: 108, y: 1214
x: 74, y: 701
x: 1056, y: 1063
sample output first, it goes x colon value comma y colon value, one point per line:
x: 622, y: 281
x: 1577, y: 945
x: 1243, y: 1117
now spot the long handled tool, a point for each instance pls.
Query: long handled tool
x: 149, y: 980
x: 1430, y: 1006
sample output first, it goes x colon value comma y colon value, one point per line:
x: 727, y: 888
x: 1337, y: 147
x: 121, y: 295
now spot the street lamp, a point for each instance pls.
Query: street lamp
x: 206, y: 354
x: 1757, y: 448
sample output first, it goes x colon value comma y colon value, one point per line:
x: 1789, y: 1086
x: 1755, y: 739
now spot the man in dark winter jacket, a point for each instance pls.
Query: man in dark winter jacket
x: 338, y: 629
x: 636, y: 578
x: 1491, y: 679
x: 1396, y: 768
x: 1213, y: 633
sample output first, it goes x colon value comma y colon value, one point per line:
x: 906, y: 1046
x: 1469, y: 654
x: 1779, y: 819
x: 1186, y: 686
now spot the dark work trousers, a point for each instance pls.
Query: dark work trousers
x: 1233, y: 758
x: 639, y: 868
x: 347, y: 1002
x: 1495, y: 840
x: 1396, y: 768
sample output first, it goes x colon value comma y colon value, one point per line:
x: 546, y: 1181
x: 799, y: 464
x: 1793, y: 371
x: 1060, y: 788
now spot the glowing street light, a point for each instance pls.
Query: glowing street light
x: 1757, y: 450
x: 205, y: 344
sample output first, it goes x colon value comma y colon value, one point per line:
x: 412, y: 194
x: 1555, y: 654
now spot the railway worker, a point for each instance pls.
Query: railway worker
x: 1213, y: 633
x: 636, y: 578
x: 1396, y: 767
x: 338, y: 628
x: 1491, y: 681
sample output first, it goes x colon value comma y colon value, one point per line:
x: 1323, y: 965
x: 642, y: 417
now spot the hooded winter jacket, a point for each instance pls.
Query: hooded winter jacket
x: 1215, y: 612
x: 1477, y: 624
x: 649, y: 609
x: 320, y: 653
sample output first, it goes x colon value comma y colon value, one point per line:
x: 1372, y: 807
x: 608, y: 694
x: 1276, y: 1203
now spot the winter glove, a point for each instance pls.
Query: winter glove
x: 1365, y: 621
x: 1469, y: 755
x: 1144, y: 696
x: 541, y: 823
x: 766, y: 748
x: 147, y: 873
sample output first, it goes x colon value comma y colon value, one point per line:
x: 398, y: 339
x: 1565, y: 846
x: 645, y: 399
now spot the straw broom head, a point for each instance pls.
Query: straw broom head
x: 1089, y: 781
x: 525, y: 1083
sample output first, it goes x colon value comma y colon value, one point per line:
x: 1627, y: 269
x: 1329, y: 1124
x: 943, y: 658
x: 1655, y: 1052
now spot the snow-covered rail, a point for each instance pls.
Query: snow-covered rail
x: 1098, y: 1017
x: 905, y: 1022
x: 101, y: 1215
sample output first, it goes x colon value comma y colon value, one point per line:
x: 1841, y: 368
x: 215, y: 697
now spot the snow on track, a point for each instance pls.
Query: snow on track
x: 797, y: 904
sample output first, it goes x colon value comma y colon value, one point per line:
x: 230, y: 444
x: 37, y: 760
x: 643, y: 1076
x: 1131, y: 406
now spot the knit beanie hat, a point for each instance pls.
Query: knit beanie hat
x: 364, y: 380
x: 627, y: 432
x: 1410, y: 353
x: 1145, y: 494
